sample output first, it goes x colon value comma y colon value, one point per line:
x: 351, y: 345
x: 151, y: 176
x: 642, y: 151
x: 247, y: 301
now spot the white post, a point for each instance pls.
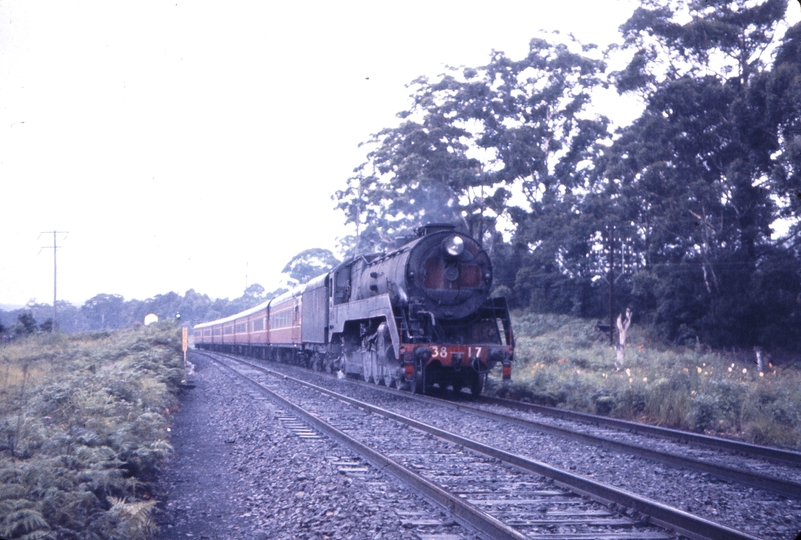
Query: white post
x: 622, y: 328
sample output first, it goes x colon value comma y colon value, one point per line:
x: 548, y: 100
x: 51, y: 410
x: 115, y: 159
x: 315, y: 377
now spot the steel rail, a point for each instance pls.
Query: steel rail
x: 787, y: 488
x: 786, y: 456
x: 660, y: 514
x: 459, y: 509
x: 777, y: 454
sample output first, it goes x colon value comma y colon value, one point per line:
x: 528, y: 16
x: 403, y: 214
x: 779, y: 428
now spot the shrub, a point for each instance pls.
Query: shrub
x: 562, y: 361
x: 718, y: 406
x: 83, y: 423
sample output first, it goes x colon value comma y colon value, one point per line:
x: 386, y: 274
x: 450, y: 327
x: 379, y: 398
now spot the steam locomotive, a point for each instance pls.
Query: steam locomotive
x: 416, y: 317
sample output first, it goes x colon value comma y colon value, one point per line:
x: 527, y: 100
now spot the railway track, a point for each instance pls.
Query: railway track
x: 772, y: 469
x: 776, y: 455
x: 501, y: 493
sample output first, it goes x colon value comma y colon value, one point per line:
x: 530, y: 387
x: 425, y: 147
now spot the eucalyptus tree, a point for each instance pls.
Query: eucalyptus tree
x: 780, y: 92
x: 544, y: 139
x: 472, y: 137
x: 777, y: 285
x: 700, y: 160
x: 104, y: 311
x: 308, y: 264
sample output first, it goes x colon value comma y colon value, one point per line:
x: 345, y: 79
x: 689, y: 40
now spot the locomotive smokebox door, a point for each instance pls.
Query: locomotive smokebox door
x: 449, y: 273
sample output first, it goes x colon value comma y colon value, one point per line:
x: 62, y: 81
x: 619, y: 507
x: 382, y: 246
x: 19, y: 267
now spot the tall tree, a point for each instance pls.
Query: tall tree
x: 780, y: 92
x: 699, y: 161
x: 308, y: 264
x: 677, y: 211
x: 25, y: 325
x: 104, y: 311
x: 720, y: 38
x: 475, y: 134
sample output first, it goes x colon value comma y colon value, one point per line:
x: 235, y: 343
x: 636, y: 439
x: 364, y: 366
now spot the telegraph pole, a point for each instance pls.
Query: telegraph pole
x: 611, y: 285
x: 54, y: 247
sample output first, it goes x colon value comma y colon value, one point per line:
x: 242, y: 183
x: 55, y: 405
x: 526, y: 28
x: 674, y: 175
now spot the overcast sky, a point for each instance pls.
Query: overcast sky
x: 197, y: 144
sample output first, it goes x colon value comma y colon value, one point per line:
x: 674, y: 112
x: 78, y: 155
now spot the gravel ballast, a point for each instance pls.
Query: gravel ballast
x: 757, y: 512
x: 239, y: 472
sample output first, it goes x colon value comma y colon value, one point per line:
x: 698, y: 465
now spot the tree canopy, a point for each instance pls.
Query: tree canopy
x: 683, y: 211
x: 308, y: 264
x: 113, y: 312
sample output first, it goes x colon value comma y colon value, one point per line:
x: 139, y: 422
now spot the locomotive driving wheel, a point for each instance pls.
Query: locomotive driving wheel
x: 417, y: 384
x: 367, y: 365
x: 376, y: 368
x: 317, y: 362
x: 478, y: 384
x: 390, y: 368
x: 331, y: 364
x: 389, y: 378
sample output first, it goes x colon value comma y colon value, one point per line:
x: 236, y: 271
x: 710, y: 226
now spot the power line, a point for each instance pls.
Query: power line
x: 54, y: 247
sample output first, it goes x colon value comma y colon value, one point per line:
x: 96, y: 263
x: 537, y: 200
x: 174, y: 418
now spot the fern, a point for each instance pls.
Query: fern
x: 136, y: 515
x: 24, y: 522
x: 36, y: 535
x: 88, y: 415
x: 10, y: 475
x: 101, y: 457
x: 11, y: 491
x: 9, y: 507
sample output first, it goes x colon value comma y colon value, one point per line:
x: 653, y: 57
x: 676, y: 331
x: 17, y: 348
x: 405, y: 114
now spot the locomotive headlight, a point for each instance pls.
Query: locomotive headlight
x: 454, y: 246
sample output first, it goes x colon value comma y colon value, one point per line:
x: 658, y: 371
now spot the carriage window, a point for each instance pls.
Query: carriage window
x: 282, y: 319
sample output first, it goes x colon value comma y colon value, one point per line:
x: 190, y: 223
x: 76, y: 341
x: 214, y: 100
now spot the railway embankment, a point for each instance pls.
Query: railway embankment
x: 84, y: 426
x: 565, y: 362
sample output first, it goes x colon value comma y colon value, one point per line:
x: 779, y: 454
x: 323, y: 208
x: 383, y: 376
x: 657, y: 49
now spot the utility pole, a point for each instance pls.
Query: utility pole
x: 358, y: 219
x: 54, y: 247
x: 611, y: 285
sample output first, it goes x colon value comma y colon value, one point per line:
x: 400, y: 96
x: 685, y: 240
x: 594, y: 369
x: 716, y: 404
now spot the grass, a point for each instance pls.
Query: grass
x: 563, y: 362
x: 83, y: 428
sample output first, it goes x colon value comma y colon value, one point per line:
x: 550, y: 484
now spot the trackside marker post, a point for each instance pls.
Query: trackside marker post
x: 184, y: 341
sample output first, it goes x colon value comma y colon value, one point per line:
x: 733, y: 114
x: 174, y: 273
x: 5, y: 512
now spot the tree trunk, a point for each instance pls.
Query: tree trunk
x: 622, y: 329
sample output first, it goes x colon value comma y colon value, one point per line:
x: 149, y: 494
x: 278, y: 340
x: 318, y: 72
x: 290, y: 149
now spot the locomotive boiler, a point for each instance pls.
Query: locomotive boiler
x: 416, y: 317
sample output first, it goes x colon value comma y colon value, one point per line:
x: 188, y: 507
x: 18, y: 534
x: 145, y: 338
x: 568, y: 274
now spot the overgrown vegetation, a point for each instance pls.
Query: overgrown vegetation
x: 564, y: 362
x: 692, y: 211
x: 83, y: 427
